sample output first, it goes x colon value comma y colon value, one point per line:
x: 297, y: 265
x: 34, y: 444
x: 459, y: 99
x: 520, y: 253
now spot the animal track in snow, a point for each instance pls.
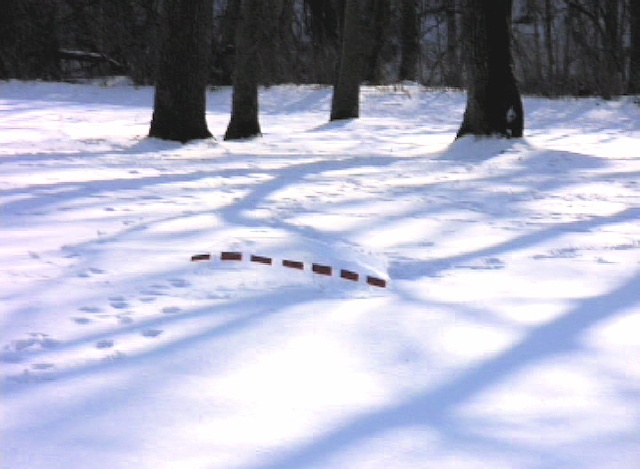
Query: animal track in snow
x: 179, y: 283
x: 118, y: 302
x: 42, y: 366
x: 14, y: 351
x: 91, y: 271
x: 171, y: 310
x: 104, y: 344
x: 124, y: 319
x: 82, y: 321
x: 489, y: 263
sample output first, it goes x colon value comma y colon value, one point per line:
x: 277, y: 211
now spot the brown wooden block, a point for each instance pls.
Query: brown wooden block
x: 201, y: 257
x: 321, y: 269
x: 377, y: 282
x: 261, y: 260
x: 230, y: 256
x: 349, y: 275
x: 293, y: 264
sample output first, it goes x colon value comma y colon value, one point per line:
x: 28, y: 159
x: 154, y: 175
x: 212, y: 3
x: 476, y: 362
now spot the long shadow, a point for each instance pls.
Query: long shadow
x: 413, y: 269
x: 234, y: 325
x: 293, y: 174
x: 434, y: 408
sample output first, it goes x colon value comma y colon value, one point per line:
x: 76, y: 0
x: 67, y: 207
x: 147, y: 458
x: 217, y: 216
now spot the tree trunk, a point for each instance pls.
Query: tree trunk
x: 454, y: 75
x: 611, y: 73
x: 179, y: 107
x: 409, y: 44
x: 244, y: 106
x: 225, y: 59
x: 324, y: 25
x: 494, y: 106
x: 549, y: 47
x: 346, y: 92
x: 634, y: 65
x: 377, y: 35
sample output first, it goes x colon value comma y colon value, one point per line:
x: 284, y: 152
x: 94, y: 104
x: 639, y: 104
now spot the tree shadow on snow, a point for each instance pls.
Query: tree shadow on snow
x: 436, y: 408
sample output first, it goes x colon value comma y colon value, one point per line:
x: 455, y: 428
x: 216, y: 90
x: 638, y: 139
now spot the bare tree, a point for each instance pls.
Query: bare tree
x: 634, y: 56
x: 377, y: 35
x: 323, y: 23
x: 453, y: 68
x: 244, y: 121
x: 29, y: 40
x: 346, y: 92
x: 180, y: 98
x: 410, y: 46
x: 494, y: 106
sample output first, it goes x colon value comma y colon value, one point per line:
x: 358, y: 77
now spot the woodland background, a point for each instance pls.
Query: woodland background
x: 562, y: 47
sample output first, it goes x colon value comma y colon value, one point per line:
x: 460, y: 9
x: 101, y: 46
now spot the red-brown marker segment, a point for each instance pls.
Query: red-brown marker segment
x: 261, y: 260
x: 201, y: 257
x: 349, y: 275
x: 322, y: 269
x: 230, y: 256
x: 377, y: 282
x: 293, y: 264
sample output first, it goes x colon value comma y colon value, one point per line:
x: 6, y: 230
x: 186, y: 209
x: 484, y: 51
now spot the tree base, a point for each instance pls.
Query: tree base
x: 242, y: 130
x: 178, y: 135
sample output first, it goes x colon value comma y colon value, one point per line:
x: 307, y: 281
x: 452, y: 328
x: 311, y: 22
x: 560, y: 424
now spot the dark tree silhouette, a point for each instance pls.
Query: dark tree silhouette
x: 494, y: 106
x: 346, y: 92
x: 244, y: 106
x: 409, y: 43
x: 634, y: 66
x: 180, y: 99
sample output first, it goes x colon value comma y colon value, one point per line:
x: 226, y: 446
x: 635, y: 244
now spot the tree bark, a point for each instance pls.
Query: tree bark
x: 611, y: 76
x: 549, y: 45
x: 244, y: 121
x: 494, y: 106
x: 454, y: 75
x: 377, y: 36
x: 324, y: 27
x: 346, y: 92
x: 634, y: 65
x: 179, y: 109
x: 410, y: 46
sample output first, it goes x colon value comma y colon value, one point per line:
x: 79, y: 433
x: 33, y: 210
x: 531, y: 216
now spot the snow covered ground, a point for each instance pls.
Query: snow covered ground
x: 508, y: 335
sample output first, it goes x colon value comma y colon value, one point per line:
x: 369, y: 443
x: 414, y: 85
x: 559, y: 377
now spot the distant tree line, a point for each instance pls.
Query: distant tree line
x: 576, y: 47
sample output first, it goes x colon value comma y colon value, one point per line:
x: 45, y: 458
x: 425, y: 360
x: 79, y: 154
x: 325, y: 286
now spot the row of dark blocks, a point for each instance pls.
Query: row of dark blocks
x: 318, y: 269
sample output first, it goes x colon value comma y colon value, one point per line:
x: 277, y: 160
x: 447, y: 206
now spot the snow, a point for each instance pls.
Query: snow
x: 507, y: 336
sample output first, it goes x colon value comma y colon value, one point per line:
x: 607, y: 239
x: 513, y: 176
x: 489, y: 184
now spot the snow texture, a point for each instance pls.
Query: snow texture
x: 507, y: 337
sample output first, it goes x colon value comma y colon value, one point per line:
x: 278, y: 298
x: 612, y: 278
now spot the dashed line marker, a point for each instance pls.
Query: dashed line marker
x: 319, y: 269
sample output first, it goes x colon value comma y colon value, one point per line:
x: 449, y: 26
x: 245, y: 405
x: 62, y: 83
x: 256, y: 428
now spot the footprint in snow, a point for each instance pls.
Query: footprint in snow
x: 154, y: 290
x: 179, y: 283
x: 489, y: 263
x: 118, y: 302
x: 104, y: 343
x: 171, y: 310
x: 152, y: 333
x: 42, y: 366
x: 15, y: 351
x: 91, y: 271
x: 90, y: 309
x: 124, y: 319
x: 81, y: 321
